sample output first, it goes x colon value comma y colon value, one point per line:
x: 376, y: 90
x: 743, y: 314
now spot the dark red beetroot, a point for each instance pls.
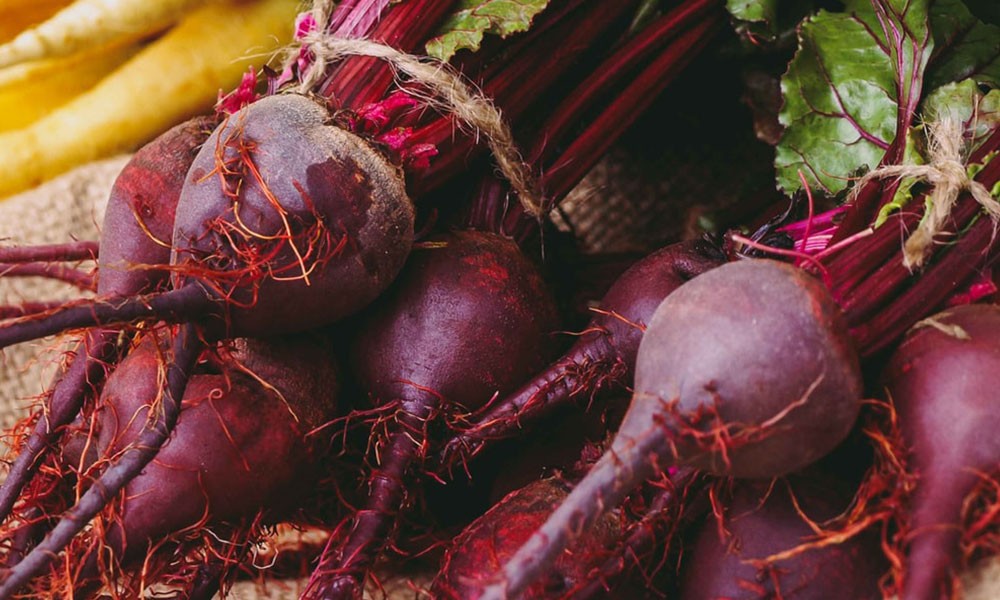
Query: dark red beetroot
x: 240, y: 444
x: 286, y: 214
x: 745, y: 370
x: 139, y: 219
x: 239, y: 457
x: 604, y: 354
x: 943, y: 381
x: 138, y: 225
x: 481, y: 549
x: 760, y: 521
x: 470, y: 317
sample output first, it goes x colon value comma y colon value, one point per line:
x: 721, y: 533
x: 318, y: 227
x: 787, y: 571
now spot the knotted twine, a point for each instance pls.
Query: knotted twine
x: 450, y: 94
x: 949, y: 177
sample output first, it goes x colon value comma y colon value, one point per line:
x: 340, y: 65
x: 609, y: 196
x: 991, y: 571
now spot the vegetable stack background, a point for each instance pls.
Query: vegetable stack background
x: 882, y: 120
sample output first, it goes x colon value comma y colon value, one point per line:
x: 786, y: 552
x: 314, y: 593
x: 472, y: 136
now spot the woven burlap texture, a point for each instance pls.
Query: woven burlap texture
x: 71, y: 207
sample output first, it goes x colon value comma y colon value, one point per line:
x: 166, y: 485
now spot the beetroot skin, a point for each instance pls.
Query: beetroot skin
x: 136, y: 232
x: 604, y: 354
x: 289, y: 215
x: 760, y: 520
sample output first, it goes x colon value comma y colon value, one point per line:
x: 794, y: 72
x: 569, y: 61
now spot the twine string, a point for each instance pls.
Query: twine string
x: 449, y: 93
x: 947, y: 174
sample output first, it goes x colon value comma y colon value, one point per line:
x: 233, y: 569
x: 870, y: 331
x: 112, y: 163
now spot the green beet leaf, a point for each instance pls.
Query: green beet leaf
x: 465, y: 28
x: 965, y: 47
x: 856, y: 77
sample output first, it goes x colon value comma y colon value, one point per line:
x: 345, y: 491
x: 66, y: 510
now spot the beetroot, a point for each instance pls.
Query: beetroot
x: 221, y: 464
x: 239, y: 457
x: 138, y: 223
x: 470, y: 317
x: 285, y: 214
x: 726, y: 559
x: 941, y: 380
x: 745, y: 370
x: 603, y: 355
x: 139, y: 220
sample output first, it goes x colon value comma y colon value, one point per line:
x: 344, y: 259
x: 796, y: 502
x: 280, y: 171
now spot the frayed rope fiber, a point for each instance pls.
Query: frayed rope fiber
x: 450, y: 93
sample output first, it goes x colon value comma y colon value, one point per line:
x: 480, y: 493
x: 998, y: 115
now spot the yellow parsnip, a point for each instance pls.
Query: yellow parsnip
x: 89, y: 23
x: 175, y: 77
x: 18, y: 15
x: 31, y: 90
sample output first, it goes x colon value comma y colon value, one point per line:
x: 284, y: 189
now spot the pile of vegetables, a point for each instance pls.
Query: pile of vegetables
x: 332, y: 303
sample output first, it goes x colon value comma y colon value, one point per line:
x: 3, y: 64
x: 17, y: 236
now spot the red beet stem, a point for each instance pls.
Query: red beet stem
x: 581, y: 156
x: 66, y: 252
x: 614, y: 70
x: 957, y: 264
x: 360, y: 80
x: 586, y: 148
x: 186, y: 349
x: 81, y: 279
x: 190, y: 301
x: 518, y: 85
x: 83, y: 372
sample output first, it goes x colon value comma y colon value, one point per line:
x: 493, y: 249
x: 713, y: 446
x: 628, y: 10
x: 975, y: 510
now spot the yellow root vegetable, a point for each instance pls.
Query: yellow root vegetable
x: 18, y: 15
x: 32, y: 90
x: 175, y: 77
x: 88, y: 23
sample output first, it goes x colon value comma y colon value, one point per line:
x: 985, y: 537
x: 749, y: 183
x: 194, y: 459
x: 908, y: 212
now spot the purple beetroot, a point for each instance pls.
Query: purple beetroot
x: 746, y: 370
x: 476, y: 553
x: 138, y: 225
x: 241, y: 456
x: 285, y: 222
